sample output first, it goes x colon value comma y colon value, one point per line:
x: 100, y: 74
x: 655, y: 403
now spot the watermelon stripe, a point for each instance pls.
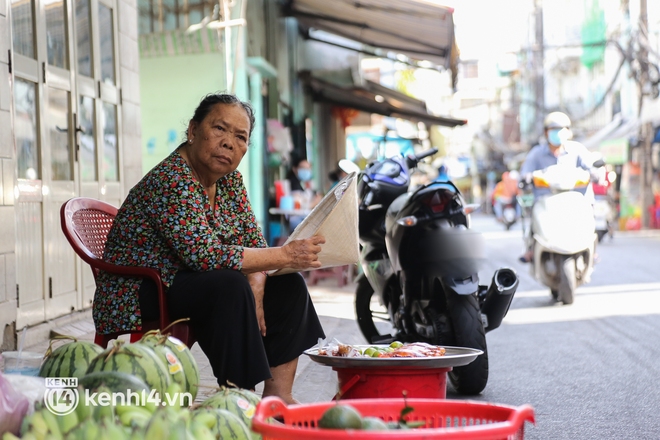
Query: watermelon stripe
x: 58, y: 362
x: 72, y: 358
x: 230, y: 426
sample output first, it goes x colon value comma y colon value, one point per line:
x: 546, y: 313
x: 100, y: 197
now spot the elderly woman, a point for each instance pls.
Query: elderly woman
x: 190, y: 218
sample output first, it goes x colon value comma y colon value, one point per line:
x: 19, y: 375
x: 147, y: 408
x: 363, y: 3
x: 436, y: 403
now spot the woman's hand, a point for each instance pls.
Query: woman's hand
x: 258, y: 282
x: 303, y: 254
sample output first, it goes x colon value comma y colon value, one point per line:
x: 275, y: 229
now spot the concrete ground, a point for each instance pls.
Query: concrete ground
x: 314, y: 382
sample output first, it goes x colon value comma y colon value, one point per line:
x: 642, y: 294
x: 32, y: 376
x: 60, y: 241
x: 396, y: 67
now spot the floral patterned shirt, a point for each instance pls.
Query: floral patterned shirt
x: 167, y: 223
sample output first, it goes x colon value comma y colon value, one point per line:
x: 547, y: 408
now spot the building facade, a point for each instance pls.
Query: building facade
x: 69, y: 126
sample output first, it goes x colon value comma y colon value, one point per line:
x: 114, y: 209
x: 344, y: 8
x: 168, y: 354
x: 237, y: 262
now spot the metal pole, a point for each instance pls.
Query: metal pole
x: 539, y: 56
x: 229, y: 70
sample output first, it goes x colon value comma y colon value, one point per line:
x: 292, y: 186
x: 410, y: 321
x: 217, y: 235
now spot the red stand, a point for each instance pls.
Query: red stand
x: 360, y: 383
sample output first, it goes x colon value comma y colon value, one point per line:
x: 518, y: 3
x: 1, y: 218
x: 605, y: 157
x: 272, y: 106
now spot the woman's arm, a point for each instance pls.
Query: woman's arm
x: 299, y: 254
x: 257, y: 282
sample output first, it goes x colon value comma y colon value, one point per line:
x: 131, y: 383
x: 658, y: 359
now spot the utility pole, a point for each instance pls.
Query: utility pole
x: 539, y: 56
x: 646, y: 172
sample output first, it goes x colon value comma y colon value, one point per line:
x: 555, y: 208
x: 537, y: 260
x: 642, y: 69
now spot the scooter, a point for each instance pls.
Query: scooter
x: 604, y: 216
x: 420, y: 268
x: 509, y: 212
x: 563, y: 237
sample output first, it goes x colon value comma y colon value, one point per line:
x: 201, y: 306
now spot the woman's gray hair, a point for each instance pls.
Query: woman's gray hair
x: 210, y: 100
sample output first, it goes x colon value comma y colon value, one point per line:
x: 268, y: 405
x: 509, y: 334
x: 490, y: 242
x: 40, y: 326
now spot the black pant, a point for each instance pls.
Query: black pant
x: 221, y: 308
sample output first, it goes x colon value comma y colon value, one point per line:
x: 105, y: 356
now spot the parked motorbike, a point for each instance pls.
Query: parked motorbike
x: 563, y: 235
x: 420, y: 268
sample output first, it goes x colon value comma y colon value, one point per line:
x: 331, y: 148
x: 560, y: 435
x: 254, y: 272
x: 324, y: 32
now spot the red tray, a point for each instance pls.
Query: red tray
x: 455, y: 419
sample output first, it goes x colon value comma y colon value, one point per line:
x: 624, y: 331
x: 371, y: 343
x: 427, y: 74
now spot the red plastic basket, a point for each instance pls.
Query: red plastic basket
x: 455, y: 419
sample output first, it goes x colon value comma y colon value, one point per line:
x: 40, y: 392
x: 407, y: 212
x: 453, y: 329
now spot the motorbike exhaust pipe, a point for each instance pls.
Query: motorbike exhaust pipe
x: 498, y: 296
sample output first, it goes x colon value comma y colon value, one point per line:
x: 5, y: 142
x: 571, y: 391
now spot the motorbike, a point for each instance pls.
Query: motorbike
x: 420, y: 261
x: 604, y: 209
x: 604, y: 217
x: 563, y: 237
x: 509, y: 212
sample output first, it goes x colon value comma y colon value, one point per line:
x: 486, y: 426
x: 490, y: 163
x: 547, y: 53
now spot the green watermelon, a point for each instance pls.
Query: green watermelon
x: 169, y: 358
x: 136, y: 359
x: 239, y: 402
x: 190, y: 368
x: 228, y: 425
x: 116, y: 382
x: 69, y: 360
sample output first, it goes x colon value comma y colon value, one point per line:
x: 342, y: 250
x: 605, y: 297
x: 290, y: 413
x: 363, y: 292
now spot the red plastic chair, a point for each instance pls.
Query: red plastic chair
x: 86, y: 223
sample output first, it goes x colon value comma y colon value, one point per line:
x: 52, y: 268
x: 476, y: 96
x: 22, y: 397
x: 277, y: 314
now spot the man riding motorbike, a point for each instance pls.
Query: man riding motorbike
x: 504, y: 195
x: 554, y: 148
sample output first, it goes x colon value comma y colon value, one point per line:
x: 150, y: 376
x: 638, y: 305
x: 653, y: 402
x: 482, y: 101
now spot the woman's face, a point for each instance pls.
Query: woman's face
x: 220, y: 141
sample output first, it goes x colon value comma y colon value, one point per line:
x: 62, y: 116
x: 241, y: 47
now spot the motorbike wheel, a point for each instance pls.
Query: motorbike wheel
x: 567, y: 281
x: 364, y: 312
x: 469, y: 332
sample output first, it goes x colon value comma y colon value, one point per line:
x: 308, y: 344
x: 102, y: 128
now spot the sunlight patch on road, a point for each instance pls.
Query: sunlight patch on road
x: 591, y: 303
x: 590, y: 290
x: 336, y: 302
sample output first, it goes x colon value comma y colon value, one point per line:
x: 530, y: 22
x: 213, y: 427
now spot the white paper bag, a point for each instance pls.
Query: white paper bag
x: 336, y: 219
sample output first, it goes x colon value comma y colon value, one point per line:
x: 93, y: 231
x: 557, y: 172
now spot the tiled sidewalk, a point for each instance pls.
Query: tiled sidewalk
x: 313, y: 383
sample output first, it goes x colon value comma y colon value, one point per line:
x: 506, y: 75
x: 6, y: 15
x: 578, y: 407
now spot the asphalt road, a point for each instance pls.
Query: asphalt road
x: 590, y: 369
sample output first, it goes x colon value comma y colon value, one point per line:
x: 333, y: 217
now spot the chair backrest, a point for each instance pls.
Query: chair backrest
x: 86, y: 223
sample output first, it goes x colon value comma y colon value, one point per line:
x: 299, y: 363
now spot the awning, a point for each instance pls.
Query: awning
x: 419, y: 29
x: 613, y: 140
x: 604, y: 133
x: 374, y: 98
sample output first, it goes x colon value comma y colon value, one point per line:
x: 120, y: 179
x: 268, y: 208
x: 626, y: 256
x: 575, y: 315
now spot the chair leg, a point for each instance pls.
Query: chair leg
x: 101, y: 340
x: 184, y: 334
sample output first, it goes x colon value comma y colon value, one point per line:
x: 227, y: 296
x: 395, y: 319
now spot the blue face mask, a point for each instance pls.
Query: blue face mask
x: 554, y: 138
x: 304, y: 174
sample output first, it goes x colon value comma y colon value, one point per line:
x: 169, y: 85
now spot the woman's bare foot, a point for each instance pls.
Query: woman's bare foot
x: 281, y: 382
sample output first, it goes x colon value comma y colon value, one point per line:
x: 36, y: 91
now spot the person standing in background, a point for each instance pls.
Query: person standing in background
x: 300, y: 181
x: 300, y: 174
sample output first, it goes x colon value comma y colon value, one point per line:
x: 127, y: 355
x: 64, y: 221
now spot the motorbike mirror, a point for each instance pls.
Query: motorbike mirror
x: 348, y: 166
x: 599, y: 163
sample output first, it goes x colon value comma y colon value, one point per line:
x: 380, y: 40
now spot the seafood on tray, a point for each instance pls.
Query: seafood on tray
x: 395, y: 350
